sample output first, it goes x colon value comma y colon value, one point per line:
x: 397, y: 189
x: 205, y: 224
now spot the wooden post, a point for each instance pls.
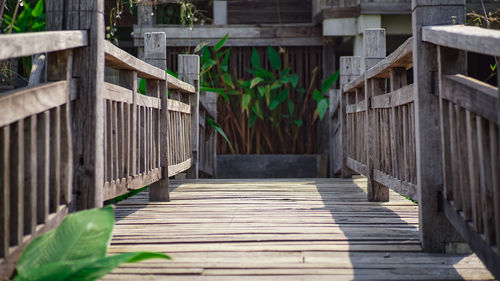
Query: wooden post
x: 88, y: 109
x: 323, y: 130
x: 155, y: 53
x: 435, y: 230
x: 189, y: 71
x: 374, y: 51
x: 350, y: 69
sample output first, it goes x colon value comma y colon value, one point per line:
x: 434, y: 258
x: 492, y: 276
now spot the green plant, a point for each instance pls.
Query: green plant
x: 76, y: 250
x: 29, y: 20
x: 264, y: 114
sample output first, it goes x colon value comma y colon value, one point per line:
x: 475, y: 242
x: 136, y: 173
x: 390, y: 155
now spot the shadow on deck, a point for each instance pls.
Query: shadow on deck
x: 294, y: 229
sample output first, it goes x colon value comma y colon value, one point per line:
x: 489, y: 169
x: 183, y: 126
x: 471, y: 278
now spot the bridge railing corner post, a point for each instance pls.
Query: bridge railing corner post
x: 189, y: 71
x: 155, y: 53
x: 350, y: 68
x: 374, y: 47
x: 435, y: 229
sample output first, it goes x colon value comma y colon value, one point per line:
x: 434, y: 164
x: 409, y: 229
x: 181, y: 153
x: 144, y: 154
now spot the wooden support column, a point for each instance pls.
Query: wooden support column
x: 350, y: 69
x: 325, y: 136
x: 189, y: 71
x: 435, y: 230
x: 155, y: 53
x: 374, y: 51
x: 88, y: 109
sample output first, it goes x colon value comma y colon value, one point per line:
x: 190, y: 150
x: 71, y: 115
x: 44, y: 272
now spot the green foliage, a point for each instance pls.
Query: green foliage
x: 271, y: 96
x: 76, y: 250
x: 29, y: 20
x: 219, y: 130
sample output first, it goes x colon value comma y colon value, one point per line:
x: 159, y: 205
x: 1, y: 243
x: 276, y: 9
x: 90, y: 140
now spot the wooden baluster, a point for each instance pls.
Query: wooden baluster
x: 128, y: 79
x: 397, y: 81
x: 189, y: 71
x: 5, y: 192
x: 435, y: 229
x: 374, y: 51
x: 485, y: 172
x: 156, y: 54
x: 495, y: 185
x: 16, y: 180
x: 30, y: 148
x: 43, y: 166
x: 55, y: 161
x: 60, y: 67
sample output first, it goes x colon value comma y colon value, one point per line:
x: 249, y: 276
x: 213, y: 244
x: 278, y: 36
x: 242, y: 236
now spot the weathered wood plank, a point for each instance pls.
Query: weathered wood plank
x: 401, y: 57
x: 179, y: 168
x: 27, y: 44
x: 356, y: 166
x: 119, y: 59
x: 235, y: 228
x: 116, y: 93
x: 178, y: 106
x: 467, y: 38
x: 471, y: 94
x: 19, y: 104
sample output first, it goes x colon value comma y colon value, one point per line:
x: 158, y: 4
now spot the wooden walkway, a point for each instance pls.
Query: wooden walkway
x: 304, y: 229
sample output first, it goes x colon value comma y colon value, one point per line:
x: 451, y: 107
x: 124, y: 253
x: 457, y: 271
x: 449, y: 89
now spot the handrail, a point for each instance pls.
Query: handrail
x: 401, y: 57
x: 467, y: 38
x: 119, y: 59
x: 31, y: 43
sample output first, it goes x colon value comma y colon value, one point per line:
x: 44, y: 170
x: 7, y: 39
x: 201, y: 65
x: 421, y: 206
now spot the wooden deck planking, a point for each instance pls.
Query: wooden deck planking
x: 294, y: 229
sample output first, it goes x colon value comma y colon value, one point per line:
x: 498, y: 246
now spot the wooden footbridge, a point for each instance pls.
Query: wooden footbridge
x: 412, y: 123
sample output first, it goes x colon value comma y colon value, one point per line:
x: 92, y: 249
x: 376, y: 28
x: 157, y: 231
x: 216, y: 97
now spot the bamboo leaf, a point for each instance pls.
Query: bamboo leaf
x: 225, y: 60
x: 322, y: 108
x: 274, y: 58
x: 283, y: 95
x: 245, y: 100
x: 255, y: 82
x: 228, y: 80
x: 328, y: 83
x: 294, y: 79
x: 38, y: 10
x: 317, y: 95
x: 255, y: 59
x: 219, y: 130
x: 221, y: 43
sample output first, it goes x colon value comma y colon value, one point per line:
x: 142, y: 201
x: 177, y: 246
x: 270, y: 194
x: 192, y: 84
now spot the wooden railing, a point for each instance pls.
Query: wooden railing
x: 75, y: 141
x: 378, y: 118
x: 469, y: 113
x: 207, y: 134
x: 36, y: 162
x: 436, y: 140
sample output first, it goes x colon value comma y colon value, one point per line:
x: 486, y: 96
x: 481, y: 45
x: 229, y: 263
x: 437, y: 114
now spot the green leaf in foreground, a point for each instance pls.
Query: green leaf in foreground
x: 86, y: 269
x: 81, y: 235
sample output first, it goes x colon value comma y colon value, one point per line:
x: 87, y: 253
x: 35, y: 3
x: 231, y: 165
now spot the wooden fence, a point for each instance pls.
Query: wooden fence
x: 75, y: 141
x: 435, y: 140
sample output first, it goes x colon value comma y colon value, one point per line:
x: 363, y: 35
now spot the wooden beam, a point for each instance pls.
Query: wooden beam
x: 468, y: 38
x: 247, y: 35
x: 32, y: 43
